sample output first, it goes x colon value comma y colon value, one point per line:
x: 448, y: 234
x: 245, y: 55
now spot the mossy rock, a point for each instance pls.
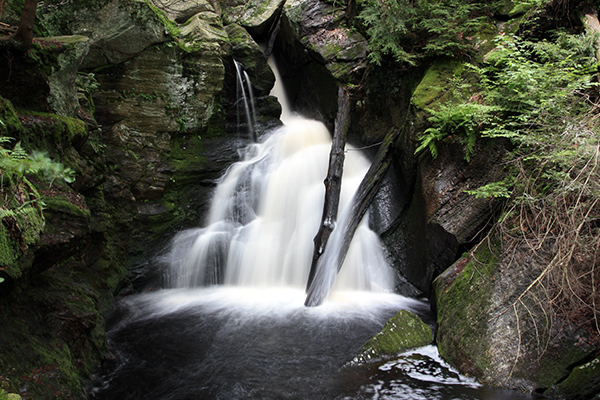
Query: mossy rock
x: 10, y: 125
x: 582, y: 383
x: 50, y: 132
x: 462, y: 293
x: 493, y: 324
x: 404, y: 331
x: 435, y: 87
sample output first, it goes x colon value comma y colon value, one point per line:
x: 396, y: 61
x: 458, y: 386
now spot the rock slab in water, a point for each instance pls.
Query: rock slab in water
x: 404, y: 331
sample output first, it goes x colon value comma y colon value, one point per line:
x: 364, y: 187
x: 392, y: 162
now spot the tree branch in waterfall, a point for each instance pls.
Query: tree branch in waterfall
x: 321, y: 285
x: 333, y: 181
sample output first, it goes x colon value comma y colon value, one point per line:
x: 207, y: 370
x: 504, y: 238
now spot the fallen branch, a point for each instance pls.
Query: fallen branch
x: 333, y: 181
x: 321, y: 285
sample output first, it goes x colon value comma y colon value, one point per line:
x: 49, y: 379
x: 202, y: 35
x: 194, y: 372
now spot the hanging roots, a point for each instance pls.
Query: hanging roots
x: 557, y: 219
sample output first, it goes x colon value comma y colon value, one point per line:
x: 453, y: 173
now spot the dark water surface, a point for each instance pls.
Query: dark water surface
x: 236, y: 343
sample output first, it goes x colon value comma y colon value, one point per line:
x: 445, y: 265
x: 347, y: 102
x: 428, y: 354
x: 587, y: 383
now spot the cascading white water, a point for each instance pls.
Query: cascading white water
x: 265, y: 213
x: 245, y: 97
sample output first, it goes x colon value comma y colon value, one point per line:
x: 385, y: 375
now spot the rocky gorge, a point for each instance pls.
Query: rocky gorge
x: 137, y: 99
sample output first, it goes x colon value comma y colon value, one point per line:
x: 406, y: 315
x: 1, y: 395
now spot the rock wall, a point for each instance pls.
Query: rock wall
x: 151, y: 88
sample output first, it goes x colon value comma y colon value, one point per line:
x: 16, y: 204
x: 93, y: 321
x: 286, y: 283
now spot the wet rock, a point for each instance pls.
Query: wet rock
x: 256, y: 16
x: 321, y: 29
x: 582, y: 382
x: 440, y: 218
x: 402, y: 332
x: 247, y: 52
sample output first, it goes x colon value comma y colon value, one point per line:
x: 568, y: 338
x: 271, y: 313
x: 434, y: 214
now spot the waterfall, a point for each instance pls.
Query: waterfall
x: 245, y: 99
x: 265, y: 213
x: 233, y: 324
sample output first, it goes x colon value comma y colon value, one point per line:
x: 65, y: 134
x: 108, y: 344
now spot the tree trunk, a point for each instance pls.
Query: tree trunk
x: 333, y: 181
x: 363, y: 198
x: 24, y: 34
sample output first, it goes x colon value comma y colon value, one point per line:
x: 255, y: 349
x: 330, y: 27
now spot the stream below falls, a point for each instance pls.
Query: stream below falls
x: 249, y: 343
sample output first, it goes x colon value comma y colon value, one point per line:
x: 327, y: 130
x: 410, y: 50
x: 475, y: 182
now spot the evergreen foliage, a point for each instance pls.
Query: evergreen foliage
x: 409, y: 30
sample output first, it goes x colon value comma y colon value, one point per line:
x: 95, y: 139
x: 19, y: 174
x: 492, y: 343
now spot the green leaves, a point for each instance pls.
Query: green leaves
x: 465, y: 120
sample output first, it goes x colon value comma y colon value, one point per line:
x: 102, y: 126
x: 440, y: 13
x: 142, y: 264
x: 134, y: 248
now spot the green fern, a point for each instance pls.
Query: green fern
x: 465, y: 120
x: 17, y: 163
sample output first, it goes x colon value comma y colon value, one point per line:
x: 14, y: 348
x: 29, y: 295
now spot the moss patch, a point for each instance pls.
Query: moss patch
x: 462, y: 298
x: 436, y: 84
x: 10, y: 125
x: 582, y: 383
x: 402, y: 332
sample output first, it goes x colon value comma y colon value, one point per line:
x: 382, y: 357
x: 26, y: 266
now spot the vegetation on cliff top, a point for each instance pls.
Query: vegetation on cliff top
x: 410, y: 31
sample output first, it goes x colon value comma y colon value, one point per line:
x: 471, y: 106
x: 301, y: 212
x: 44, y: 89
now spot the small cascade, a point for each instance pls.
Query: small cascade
x: 245, y: 100
x: 265, y: 213
x: 279, y: 92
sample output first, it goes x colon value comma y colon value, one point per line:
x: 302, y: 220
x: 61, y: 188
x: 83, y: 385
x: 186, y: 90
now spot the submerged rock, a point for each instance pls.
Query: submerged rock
x: 402, y: 332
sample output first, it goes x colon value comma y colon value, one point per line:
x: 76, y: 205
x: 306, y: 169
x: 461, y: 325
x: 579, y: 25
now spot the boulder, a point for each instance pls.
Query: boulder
x: 494, y: 325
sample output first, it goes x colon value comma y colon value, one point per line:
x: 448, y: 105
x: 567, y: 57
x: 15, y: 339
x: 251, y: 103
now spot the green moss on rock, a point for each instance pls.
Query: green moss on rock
x: 582, y: 383
x: 436, y: 84
x: 10, y: 125
x: 462, y: 295
x: 8, y: 249
x: 402, y: 332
